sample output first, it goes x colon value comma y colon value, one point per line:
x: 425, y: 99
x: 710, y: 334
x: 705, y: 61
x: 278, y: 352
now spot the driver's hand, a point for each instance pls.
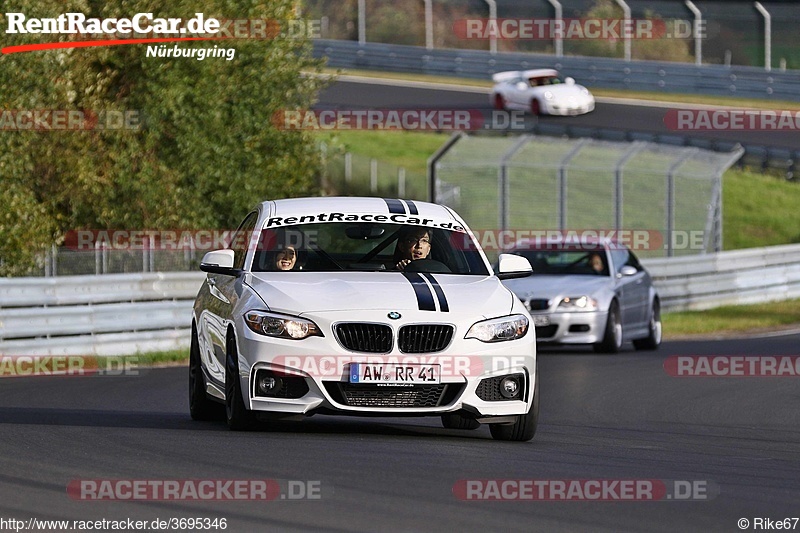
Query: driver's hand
x: 402, y: 264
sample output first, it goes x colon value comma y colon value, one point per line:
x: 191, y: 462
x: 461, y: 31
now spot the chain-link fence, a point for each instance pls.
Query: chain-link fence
x: 348, y: 174
x: 530, y: 185
x: 67, y: 261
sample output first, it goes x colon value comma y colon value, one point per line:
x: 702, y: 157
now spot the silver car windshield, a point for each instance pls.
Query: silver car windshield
x: 580, y: 262
x: 368, y: 247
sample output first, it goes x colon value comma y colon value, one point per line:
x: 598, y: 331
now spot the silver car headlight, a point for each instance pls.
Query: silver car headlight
x: 578, y: 303
x: 281, y: 326
x: 505, y: 328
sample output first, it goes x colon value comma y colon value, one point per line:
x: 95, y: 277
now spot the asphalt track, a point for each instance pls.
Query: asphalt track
x: 644, y: 117
x: 602, y: 417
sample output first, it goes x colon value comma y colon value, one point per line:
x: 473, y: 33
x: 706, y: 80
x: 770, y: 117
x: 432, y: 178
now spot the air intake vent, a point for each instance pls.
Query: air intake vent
x: 364, y: 337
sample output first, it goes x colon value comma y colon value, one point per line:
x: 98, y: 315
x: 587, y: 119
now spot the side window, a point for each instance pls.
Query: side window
x: 241, y: 239
x: 634, y: 261
x: 619, y: 256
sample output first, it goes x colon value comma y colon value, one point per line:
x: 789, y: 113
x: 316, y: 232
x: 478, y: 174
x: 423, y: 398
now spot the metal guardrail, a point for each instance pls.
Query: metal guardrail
x: 608, y: 73
x: 121, y: 314
x: 115, y: 314
x: 727, y: 278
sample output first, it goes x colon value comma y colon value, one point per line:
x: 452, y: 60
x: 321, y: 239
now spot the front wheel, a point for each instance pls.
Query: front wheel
x: 201, y: 407
x: 525, y: 427
x: 653, y: 339
x: 612, y: 338
x: 499, y: 102
x: 239, y: 418
x: 536, y: 108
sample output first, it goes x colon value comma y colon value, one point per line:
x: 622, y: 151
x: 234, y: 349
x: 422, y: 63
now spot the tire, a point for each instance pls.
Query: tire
x: 456, y: 421
x: 499, y: 102
x: 536, y: 108
x: 653, y: 339
x: 201, y: 407
x: 525, y: 427
x: 239, y: 418
x: 612, y: 337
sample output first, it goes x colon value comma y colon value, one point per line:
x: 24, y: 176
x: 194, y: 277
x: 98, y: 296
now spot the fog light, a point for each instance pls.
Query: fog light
x: 509, y: 387
x: 268, y: 384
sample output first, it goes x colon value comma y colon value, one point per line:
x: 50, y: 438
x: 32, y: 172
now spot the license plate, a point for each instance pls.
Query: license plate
x: 391, y: 373
x: 541, y: 320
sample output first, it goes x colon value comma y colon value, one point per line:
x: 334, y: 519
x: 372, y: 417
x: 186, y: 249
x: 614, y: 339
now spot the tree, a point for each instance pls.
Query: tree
x: 200, y: 147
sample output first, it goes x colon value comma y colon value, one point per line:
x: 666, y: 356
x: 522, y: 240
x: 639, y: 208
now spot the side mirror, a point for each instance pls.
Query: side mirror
x: 521, y: 86
x: 569, y: 80
x: 627, y: 270
x: 512, y: 266
x: 219, y: 262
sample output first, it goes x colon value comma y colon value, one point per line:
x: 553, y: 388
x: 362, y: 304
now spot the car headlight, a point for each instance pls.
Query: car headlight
x: 585, y: 91
x: 505, y: 328
x: 579, y: 303
x: 281, y: 326
x: 548, y: 95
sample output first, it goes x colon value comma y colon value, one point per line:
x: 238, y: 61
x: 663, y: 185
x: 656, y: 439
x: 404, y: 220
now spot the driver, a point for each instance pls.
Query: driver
x: 412, y: 244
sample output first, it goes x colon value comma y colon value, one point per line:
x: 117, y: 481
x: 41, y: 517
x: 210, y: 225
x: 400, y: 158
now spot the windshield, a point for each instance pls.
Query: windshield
x: 367, y: 247
x: 582, y: 262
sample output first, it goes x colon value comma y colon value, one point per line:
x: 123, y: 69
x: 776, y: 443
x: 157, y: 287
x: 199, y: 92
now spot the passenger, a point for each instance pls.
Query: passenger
x: 595, y: 260
x: 285, y: 258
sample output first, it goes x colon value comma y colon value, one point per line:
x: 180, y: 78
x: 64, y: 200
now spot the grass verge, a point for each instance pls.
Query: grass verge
x: 732, y: 319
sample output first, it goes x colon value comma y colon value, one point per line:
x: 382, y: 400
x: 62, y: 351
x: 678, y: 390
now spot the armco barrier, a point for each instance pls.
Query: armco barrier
x: 727, y: 278
x: 115, y: 314
x: 607, y: 73
x: 122, y: 314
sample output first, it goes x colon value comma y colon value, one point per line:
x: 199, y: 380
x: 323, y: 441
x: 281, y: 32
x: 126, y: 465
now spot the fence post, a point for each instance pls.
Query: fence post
x: 503, y: 177
x: 373, y: 175
x: 618, y: 196
x: 434, y: 160
x: 671, y: 198
x: 558, y: 37
x: 401, y: 182
x: 362, y: 22
x: 562, y: 183
x: 698, y: 39
x: 348, y: 167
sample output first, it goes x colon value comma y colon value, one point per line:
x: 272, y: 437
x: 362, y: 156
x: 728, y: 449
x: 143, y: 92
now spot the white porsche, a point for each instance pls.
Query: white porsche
x: 362, y: 306
x: 540, y: 92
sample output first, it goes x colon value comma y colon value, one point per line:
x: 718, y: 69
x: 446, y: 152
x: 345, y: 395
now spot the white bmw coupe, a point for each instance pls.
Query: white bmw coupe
x: 362, y: 306
x: 540, y: 92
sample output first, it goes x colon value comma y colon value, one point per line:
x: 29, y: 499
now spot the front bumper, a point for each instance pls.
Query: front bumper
x: 323, y: 364
x: 569, y: 109
x: 587, y: 327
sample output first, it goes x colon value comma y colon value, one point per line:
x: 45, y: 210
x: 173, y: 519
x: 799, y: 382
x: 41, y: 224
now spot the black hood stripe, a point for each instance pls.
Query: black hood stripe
x: 423, y: 292
x: 412, y: 207
x: 395, y: 206
x: 439, y: 292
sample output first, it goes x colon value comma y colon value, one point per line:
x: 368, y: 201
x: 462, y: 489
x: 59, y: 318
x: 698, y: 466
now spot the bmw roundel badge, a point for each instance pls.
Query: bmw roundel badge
x: 394, y: 315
